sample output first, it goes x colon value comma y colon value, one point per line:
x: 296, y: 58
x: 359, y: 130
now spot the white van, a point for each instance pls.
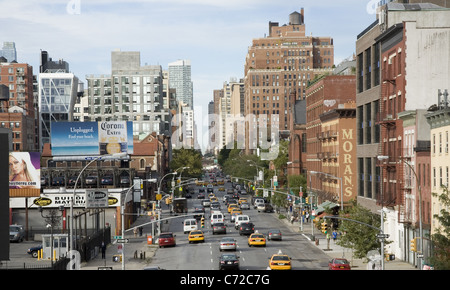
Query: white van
x: 217, y: 217
x: 242, y: 218
x: 189, y: 225
x: 258, y: 201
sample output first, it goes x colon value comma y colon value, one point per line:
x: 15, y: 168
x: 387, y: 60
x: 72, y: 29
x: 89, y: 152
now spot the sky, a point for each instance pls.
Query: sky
x: 213, y: 34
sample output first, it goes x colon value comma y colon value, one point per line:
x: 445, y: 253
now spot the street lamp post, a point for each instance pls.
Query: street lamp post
x: 159, y: 206
x: 257, y: 169
x: 115, y: 155
x: 122, y: 212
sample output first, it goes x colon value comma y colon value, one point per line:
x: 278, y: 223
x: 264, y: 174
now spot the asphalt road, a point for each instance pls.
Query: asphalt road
x: 205, y: 256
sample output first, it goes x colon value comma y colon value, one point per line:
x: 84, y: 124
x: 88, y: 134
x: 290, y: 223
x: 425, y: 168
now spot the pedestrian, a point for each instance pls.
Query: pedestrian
x: 103, y: 250
x: 334, y: 234
x: 135, y: 232
x: 140, y: 231
x: 307, y: 216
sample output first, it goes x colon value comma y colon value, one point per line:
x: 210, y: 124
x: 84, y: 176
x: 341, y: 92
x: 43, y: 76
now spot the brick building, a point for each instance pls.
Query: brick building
x: 279, y: 66
x: 17, y: 104
x: 322, y: 95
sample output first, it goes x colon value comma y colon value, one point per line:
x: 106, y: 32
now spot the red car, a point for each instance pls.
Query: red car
x: 166, y: 239
x: 339, y: 264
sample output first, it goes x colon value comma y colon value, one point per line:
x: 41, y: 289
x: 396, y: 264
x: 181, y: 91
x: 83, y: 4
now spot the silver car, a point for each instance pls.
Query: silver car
x: 16, y: 233
x: 245, y: 205
x: 227, y: 244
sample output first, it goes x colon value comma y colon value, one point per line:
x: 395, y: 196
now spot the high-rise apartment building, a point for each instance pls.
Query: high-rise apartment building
x: 8, y: 51
x: 281, y: 65
x: 17, y: 110
x: 180, y: 79
x: 58, y: 91
x: 131, y: 93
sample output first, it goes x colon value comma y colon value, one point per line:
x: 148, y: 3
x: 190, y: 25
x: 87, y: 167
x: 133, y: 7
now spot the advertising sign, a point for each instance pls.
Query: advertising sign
x: 96, y: 198
x: 24, y: 170
x: 91, y: 138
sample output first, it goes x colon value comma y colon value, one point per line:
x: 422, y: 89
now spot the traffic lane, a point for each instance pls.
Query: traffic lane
x: 18, y: 254
x: 302, y: 253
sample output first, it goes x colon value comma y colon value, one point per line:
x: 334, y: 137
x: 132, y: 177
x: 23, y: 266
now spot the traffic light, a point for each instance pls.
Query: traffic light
x: 324, y: 227
x: 414, y: 245
x: 202, y: 221
x: 307, y: 200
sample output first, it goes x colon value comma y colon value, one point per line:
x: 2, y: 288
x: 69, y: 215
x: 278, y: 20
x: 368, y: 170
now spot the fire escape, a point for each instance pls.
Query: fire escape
x: 390, y: 146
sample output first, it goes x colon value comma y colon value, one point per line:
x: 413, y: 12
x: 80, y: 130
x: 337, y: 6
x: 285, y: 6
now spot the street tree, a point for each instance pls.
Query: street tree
x: 441, y: 238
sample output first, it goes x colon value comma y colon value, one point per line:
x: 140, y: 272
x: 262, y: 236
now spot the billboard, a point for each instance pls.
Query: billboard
x: 24, y: 170
x: 91, y: 138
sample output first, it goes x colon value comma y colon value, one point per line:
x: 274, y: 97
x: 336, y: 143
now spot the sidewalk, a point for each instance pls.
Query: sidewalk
x: 138, y: 253
x: 335, y: 251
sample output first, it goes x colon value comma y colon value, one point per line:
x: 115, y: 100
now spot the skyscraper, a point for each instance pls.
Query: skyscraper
x: 9, y: 51
x: 180, y: 79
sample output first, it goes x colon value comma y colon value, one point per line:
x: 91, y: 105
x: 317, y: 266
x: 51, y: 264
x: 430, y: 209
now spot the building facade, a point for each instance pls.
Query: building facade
x: 280, y: 66
x: 131, y: 93
x: 17, y: 105
x: 322, y: 95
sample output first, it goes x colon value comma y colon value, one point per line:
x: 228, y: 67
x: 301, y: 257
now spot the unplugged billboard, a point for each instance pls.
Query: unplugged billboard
x: 91, y: 138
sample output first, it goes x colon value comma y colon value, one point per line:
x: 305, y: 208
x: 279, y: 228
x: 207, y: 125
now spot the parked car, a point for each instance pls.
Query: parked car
x: 91, y: 180
x: 58, y: 181
x: 107, y: 180
x: 166, y: 239
x: 72, y: 180
x: 33, y: 251
x: 124, y: 180
x: 16, y: 233
x: 339, y: 264
x: 229, y: 261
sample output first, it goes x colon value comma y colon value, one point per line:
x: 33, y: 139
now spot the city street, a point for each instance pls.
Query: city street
x: 205, y: 256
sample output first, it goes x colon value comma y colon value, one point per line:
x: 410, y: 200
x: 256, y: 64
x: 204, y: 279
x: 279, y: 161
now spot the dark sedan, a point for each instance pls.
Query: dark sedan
x: 274, y: 235
x: 246, y: 229
x: 229, y: 261
x: 219, y: 228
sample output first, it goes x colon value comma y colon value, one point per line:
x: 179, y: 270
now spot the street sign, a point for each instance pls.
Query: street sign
x: 383, y: 236
x: 123, y: 241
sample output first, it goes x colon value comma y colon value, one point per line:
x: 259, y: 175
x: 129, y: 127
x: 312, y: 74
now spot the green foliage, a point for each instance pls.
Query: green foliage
x: 441, y: 239
x: 360, y: 237
x: 187, y: 157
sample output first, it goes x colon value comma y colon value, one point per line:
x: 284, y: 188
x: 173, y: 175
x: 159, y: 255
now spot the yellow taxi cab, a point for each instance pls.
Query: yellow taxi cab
x: 221, y: 188
x: 196, y: 236
x: 213, y: 199
x: 236, y: 211
x: 280, y: 262
x: 220, y: 182
x: 241, y: 200
x: 232, y: 206
x: 211, y: 195
x: 256, y: 239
